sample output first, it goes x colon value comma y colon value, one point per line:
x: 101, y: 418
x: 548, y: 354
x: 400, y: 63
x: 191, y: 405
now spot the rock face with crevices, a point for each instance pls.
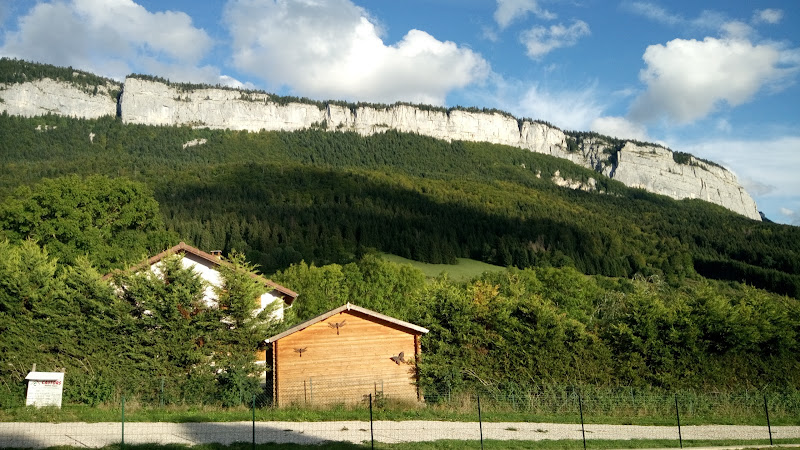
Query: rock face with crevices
x: 43, y: 96
x: 654, y: 169
x: 147, y: 102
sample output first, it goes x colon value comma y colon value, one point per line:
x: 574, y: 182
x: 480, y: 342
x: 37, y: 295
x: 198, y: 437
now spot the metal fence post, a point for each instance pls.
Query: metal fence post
x: 766, y: 411
x: 678, y: 414
x: 122, y: 445
x: 254, y: 422
x: 583, y: 431
x: 371, y: 432
x: 480, y: 421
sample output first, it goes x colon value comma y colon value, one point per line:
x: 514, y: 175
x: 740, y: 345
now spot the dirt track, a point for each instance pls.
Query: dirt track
x: 38, y: 435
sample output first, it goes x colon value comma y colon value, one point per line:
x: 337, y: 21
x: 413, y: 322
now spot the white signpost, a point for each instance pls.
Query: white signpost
x: 45, y: 389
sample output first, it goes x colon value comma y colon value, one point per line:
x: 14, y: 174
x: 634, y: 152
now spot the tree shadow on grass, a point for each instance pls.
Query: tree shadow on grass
x: 139, y: 435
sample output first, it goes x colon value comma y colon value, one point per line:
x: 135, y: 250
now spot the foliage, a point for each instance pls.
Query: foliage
x: 111, y: 221
x: 156, y: 330
x: 57, y: 318
x: 372, y: 283
x: 612, y: 142
x: 18, y: 71
x: 326, y: 197
x: 690, y: 160
x: 242, y: 330
x: 170, y: 321
x: 501, y: 332
x: 535, y: 327
x: 313, y: 204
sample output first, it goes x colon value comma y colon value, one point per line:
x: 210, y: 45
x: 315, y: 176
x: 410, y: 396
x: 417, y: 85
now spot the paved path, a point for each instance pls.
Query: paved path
x: 92, y: 435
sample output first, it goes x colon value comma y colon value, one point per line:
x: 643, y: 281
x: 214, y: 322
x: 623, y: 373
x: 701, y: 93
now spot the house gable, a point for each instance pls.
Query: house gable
x: 206, y: 265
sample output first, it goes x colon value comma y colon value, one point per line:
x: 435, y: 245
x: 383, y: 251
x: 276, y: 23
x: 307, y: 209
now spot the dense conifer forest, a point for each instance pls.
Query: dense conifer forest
x: 611, y: 287
x: 326, y: 197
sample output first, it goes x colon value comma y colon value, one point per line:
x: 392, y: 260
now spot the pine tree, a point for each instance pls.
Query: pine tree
x: 241, y: 330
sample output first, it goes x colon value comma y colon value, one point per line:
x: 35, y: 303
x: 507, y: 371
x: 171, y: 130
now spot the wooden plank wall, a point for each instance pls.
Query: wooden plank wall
x: 343, y: 368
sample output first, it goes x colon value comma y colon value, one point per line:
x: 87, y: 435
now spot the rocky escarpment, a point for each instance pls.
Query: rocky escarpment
x: 155, y: 103
x: 654, y: 169
x: 648, y: 167
x: 43, y: 96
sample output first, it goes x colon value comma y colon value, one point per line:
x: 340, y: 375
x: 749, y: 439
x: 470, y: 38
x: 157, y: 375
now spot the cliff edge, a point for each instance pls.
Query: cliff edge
x: 147, y: 102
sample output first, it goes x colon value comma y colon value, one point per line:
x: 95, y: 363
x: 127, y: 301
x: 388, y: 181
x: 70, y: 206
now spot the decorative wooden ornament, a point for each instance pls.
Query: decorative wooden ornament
x: 337, y: 325
x: 399, y: 358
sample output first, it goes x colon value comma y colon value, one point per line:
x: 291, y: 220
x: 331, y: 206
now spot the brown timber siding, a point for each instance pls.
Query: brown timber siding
x: 346, y: 367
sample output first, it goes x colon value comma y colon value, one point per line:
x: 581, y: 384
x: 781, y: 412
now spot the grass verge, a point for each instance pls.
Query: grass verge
x: 186, y: 414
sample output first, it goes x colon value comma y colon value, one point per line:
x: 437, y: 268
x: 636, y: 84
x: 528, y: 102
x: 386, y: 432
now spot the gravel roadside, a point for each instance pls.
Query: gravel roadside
x: 93, y: 435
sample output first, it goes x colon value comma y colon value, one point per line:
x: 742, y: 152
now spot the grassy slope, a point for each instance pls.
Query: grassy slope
x: 464, y: 270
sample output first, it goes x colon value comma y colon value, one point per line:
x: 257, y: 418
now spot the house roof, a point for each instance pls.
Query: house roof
x: 348, y: 307
x: 288, y: 295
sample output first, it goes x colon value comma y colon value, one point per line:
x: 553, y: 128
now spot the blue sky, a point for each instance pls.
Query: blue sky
x: 718, y: 79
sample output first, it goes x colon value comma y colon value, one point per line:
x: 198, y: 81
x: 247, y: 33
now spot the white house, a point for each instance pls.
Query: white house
x: 206, y: 264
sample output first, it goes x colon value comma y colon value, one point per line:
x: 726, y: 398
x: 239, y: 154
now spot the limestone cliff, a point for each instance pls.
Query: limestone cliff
x: 648, y: 167
x: 43, y: 96
x: 154, y: 103
x: 654, y: 169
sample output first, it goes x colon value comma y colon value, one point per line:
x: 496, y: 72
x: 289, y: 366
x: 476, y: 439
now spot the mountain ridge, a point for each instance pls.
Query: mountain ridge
x: 152, y: 101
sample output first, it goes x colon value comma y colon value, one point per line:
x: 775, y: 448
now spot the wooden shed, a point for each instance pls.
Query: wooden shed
x: 344, y: 355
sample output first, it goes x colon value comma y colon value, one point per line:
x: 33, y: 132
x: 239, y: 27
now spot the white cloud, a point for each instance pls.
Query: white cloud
x: 707, y: 20
x: 510, y: 10
x: 188, y: 73
x: 724, y: 125
x: 687, y: 79
x: 765, y: 167
x: 109, y: 37
x: 166, y: 32
x: 790, y: 57
x: 790, y: 215
x: 736, y: 30
x: 654, y: 12
x: 756, y: 188
x: 333, y: 49
x: 769, y: 15
x: 489, y: 33
x: 620, y: 127
x: 569, y: 109
x: 542, y: 40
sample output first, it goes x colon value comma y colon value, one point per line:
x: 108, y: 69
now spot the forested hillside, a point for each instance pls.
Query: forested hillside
x: 326, y: 197
x: 608, y: 287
